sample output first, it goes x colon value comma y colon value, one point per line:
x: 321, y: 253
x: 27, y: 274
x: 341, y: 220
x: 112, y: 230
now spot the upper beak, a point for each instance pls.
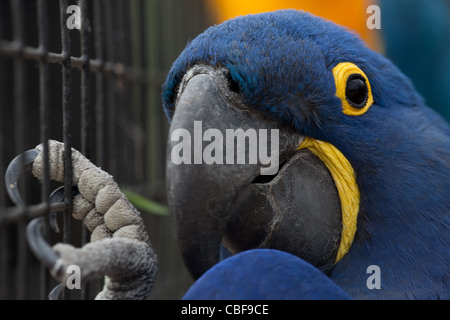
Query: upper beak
x: 245, y: 202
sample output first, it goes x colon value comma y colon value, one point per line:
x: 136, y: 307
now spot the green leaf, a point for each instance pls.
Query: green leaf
x: 145, y: 204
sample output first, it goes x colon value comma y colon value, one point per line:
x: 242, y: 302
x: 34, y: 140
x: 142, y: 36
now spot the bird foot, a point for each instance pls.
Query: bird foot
x: 119, y: 247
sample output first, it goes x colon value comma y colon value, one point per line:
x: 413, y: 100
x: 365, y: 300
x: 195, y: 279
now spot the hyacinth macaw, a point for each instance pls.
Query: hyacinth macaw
x: 364, y: 166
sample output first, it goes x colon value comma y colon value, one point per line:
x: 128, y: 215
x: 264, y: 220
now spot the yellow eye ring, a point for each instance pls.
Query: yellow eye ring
x: 353, y: 88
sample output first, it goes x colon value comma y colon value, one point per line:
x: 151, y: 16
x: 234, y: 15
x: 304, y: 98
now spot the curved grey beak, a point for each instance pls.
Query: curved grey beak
x: 226, y: 181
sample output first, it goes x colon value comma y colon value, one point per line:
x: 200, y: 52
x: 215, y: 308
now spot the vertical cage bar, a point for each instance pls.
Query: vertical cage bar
x: 100, y: 145
x: 67, y: 119
x: 85, y: 78
x: 4, y: 265
x: 7, y: 277
x: 100, y: 83
x: 124, y: 126
x: 152, y: 15
x: 138, y: 89
x: 19, y: 106
x: 85, y: 104
x: 67, y: 125
x: 110, y: 36
x: 42, y: 18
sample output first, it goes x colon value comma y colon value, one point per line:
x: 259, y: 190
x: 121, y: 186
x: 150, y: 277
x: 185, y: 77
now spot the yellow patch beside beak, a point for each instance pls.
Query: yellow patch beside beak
x: 344, y: 177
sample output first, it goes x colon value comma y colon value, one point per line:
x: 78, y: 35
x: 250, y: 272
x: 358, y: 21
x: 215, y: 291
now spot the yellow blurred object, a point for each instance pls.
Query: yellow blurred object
x: 349, y: 13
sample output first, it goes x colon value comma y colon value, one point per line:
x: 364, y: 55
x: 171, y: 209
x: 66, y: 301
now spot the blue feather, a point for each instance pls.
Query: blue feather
x: 264, y: 274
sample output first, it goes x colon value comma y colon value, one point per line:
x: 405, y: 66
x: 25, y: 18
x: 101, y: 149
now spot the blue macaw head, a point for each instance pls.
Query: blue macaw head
x: 262, y: 51
x: 329, y: 96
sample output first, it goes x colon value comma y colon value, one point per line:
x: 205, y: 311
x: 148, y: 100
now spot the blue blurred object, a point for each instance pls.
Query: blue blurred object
x: 417, y: 39
x: 264, y: 274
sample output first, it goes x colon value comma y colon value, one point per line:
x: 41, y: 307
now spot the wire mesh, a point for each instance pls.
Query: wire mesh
x: 97, y: 89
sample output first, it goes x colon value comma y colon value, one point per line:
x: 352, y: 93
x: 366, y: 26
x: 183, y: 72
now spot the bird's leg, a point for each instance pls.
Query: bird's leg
x: 129, y: 265
x: 119, y: 247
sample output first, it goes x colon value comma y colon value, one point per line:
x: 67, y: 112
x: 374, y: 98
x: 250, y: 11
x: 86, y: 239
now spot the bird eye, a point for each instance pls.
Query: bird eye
x: 353, y: 88
x: 356, y: 91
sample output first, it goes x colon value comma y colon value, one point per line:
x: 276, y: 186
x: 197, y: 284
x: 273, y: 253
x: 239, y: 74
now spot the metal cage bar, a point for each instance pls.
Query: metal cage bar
x: 42, y: 17
x: 105, y: 101
x: 85, y: 104
x: 19, y: 112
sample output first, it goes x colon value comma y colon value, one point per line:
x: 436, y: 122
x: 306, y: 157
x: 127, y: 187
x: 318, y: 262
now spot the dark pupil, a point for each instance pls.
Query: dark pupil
x: 356, y: 91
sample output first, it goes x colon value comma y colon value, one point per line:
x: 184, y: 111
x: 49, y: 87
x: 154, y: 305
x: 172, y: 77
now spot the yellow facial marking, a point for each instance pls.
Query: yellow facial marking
x: 344, y: 177
x: 344, y: 73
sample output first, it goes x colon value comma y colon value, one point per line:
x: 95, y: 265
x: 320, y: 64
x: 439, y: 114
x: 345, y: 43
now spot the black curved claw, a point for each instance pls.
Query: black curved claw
x: 42, y: 250
x: 18, y: 164
x: 58, y: 196
x: 56, y: 292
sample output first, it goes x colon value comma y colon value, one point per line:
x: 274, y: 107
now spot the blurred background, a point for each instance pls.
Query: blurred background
x: 98, y: 89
